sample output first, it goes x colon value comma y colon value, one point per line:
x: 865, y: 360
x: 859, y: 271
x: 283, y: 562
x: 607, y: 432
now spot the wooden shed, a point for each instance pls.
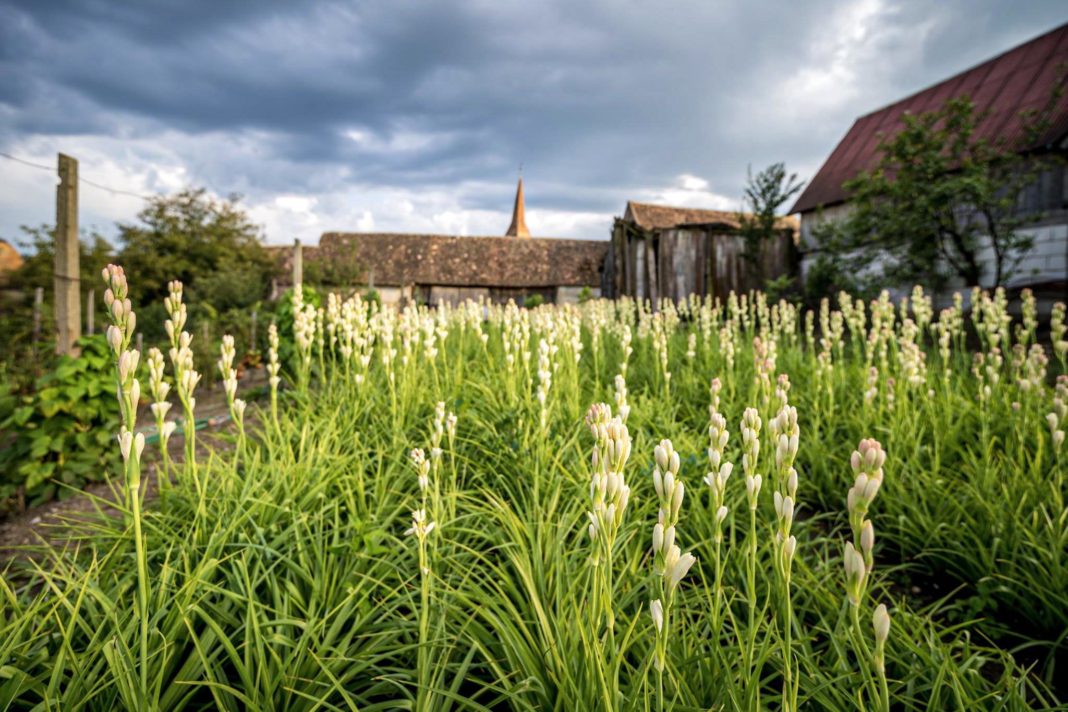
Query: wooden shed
x: 667, y: 252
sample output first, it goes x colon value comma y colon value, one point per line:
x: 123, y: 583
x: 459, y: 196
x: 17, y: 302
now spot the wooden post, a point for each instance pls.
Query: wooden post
x: 298, y: 263
x: 38, y: 306
x: 90, y: 311
x: 67, y: 268
x: 252, y: 336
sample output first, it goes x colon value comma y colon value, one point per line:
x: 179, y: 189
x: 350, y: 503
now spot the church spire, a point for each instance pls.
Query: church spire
x: 518, y: 228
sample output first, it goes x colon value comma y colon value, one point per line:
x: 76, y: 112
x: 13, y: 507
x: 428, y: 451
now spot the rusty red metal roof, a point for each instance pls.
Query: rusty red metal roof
x: 1019, y: 80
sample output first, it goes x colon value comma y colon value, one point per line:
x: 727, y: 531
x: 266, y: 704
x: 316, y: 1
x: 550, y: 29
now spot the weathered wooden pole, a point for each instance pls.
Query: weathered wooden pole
x: 38, y: 307
x: 298, y: 263
x: 67, y: 268
x: 90, y: 311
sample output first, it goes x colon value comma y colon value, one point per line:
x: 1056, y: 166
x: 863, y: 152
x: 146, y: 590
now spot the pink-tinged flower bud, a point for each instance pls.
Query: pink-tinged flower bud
x: 114, y: 337
x: 867, y: 537
x: 871, y: 489
x: 135, y: 393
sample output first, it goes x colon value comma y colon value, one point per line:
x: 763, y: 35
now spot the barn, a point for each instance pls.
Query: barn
x: 667, y: 252
x: 1004, y: 90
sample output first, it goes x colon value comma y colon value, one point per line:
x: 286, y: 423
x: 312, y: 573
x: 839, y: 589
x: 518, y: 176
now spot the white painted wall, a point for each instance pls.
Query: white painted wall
x: 1046, y: 261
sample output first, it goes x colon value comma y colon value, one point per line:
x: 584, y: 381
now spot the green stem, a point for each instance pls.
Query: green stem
x: 142, y: 576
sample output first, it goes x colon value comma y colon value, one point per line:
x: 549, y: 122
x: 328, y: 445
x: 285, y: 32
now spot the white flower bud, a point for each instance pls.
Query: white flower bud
x: 656, y: 612
x: 789, y: 547
x: 125, y: 442
x: 881, y: 622
x: 678, y: 569
x: 721, y: 514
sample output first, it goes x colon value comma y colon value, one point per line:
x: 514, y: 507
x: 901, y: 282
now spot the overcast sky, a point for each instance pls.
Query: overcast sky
x: 414, y: 116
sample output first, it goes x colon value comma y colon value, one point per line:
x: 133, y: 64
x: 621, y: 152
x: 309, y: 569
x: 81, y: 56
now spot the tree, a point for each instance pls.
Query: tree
x: 209, y: 244
x: 938, y: 197
x: 765, y: 194
x: 38, y: 247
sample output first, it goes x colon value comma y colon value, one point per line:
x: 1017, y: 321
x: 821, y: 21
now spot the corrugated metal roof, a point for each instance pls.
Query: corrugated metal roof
x: 1016, y: 81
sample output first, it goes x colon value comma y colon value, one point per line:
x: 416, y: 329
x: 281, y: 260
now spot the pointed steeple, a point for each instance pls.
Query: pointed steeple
x: 518, y: 228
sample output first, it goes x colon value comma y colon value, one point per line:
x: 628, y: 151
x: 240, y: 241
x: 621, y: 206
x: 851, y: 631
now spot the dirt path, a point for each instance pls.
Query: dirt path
x: 49, y: 522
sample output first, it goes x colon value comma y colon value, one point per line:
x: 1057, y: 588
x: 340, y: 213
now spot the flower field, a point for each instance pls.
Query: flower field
x: 707, y: 506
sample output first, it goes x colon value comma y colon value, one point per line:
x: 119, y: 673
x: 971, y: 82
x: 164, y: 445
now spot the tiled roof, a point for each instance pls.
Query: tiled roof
x: 1021, y: 79
x: 396, y: 259
x: 10, y: 259
x: 662, y: 217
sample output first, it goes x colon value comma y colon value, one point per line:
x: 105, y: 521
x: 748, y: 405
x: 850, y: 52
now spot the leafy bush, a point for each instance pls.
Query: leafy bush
x: 283, y: 315
x: 534, y: 300
x: 62, y: 433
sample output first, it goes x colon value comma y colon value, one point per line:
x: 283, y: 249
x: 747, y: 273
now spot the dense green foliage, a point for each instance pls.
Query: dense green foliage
x: 281, y: 578
x: 940, y: 197
x: 208, y: 244
x: 63, y: 433
x: 23, y: 356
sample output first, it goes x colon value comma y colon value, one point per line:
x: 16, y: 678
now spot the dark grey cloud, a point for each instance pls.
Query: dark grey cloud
x: 600, y: 101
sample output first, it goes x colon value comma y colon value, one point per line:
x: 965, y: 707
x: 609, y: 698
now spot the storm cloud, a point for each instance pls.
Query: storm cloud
x: 414, y: 116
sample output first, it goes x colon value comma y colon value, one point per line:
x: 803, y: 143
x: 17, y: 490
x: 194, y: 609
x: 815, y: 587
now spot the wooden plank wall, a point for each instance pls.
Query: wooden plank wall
x: 678, y: 262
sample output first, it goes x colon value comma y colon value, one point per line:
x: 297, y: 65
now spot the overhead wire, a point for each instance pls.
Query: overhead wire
x: 94, y: 184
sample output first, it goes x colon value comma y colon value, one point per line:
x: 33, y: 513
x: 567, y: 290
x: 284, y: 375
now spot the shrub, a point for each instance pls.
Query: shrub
x: 61, y: 434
